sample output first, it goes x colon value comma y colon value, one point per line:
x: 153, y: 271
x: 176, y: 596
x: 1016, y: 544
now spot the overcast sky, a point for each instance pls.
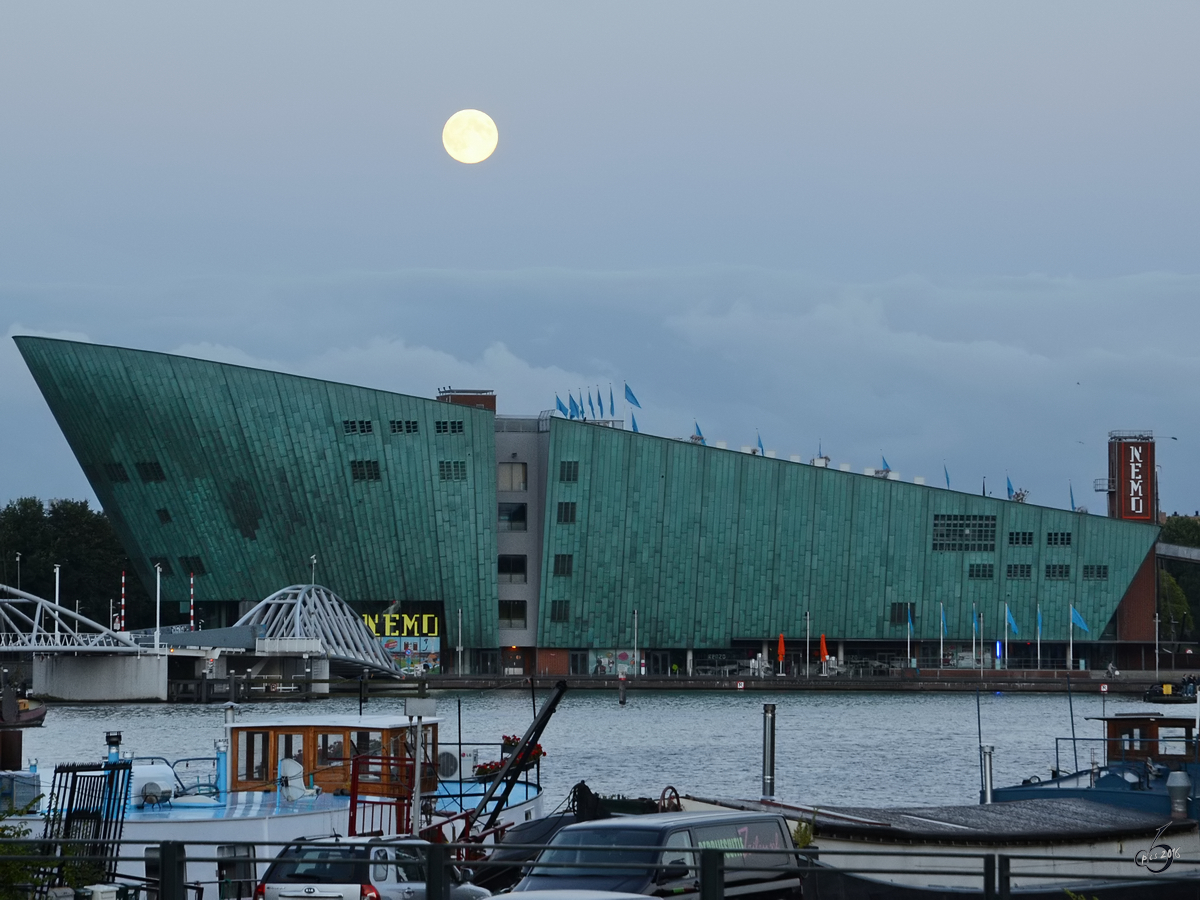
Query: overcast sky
x: 940, y: 232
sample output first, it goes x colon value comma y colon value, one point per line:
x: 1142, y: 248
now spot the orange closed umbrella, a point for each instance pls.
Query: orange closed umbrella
x: 824, y: 649
x: 781, y: 648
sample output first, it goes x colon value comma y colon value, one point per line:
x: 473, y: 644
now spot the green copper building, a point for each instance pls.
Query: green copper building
x: 562, y: 545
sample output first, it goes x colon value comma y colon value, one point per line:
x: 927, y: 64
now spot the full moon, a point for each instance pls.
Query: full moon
x: 470, y: 136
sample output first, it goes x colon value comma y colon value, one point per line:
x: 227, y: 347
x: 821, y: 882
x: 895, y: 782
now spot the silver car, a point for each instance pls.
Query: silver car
x: 363, y: 868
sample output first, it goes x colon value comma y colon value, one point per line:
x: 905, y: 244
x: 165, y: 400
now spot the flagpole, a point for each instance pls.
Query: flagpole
x: 974, y: 625
x: 942, y: 639
x: 908, y: 643
x: 981, y: 645
x: 1006, y: 627
x: 807, y: 639
x: 1039, y: 640
x: 1070, y: 637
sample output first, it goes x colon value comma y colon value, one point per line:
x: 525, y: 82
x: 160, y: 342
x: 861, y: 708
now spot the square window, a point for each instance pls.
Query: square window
x: 512, y: 517
x: 964, y: 533
x: 1020, y: 539
x: 164, y: 517
x: 1022, y: 571
x: 511, y: 569
x: 357, y: 426
x: 568, y: 470
x: 560, y: 611
x: 364, y: 470
x: 901, y: 612
x: 566, y: 513
x: 452, y: 470
x: 1057, y: 572
x: 403, y: 426
x: 1058, y: 539
x: 116, y: 473
x: 981, y: 571
x: 510, y: 476
x: 150, y: 471
x: 193, y: 565
x: 563, y: 564
x: 512, y: 614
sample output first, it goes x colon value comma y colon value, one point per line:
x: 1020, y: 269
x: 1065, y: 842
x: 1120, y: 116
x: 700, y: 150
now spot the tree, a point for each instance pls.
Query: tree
x: 1173, y: 606
x: 1181, y: 530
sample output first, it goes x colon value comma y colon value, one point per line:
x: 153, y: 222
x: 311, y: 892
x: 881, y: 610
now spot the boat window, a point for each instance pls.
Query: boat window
x: 291, y: 746
x: 235, y: 870
x: 764, y: 834
x: 366, y: 742
x: 252, y: 755
x: 379, y: 864
x: 1172, y: 741
x: 330, y: 749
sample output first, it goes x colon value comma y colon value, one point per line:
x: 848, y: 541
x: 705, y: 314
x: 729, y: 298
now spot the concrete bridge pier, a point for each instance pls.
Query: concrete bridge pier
x: 94, y: 677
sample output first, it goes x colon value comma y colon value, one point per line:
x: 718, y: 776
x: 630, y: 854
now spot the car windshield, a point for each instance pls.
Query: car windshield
x: 617, y: 848
x: 319, y: 864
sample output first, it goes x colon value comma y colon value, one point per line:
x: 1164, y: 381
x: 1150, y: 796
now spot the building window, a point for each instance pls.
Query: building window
x: 452, y: 470
x: 116, y: 473
x: 1095, y: 573
x: 1020, y: 539
x: 563, y: 563
x: 1058, y: 539
x: 511, y: 569
x: 1057, y: 572
x: 404, y: 426
x: 969, y: 533
x: 364, y: 470
x: 448, y: 427
x: 566, y: 513
x: 568, y: 470
x: 901, y: 612
x: 163, y: 563
x: 164, y: 516
x: 510, y: 476
x: 512, y: 517
x: 560, y: 611
x: 150, y: 471
x: 357, y: 426
x: 512, y: 613
x: 193, y: 565
x: 1022, y: 571
x: 981, y: 571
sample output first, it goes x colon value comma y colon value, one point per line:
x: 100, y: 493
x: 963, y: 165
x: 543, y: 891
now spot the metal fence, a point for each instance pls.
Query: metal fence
x: 33, y: 868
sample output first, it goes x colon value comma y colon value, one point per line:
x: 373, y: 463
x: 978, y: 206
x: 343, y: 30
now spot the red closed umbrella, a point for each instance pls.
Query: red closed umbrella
x: 824, y: 649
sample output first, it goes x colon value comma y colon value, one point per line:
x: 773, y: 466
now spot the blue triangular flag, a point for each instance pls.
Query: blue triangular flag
x: 612, y: 410
x: 629, y: 398
x: 943, y: 620
x: 1011, y: 621
x: 574, y: 413
x: 700, y: 434
x: 910, y: 628
x: 974, y: 620
x: 886, y: 467
x: 581, y: 415
x: 1039, y: 620
x: 1010, y: 487
x: 1078, y: 620
x: 1072, y: 487
x: 947, y: 471
x: 560, y: 406
x: 634, y: 418
x: 591, y: 406
x: 761, y: 451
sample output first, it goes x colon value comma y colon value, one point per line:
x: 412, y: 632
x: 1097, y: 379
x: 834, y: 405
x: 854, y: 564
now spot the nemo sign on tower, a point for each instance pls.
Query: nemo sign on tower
x: 1131, y: 476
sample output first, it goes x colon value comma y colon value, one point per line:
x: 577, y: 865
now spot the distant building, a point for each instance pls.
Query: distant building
x: 548, y: 537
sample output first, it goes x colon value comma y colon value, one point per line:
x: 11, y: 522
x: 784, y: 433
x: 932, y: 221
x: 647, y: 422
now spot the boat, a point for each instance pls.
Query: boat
x: 24, y: 714
x: 274, y: 780
x: 1171, y: 692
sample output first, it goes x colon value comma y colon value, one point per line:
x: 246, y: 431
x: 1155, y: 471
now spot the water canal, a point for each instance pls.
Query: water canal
x: 832, y: 748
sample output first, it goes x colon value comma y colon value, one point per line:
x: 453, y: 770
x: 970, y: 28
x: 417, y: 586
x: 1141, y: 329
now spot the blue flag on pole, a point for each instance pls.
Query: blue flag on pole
x: 886, y: 467
x: 943, y: 620
x: 1077, y: 619
x: 761, y: 451
x: 1072, y: 487
x: 629, y: 398
x: 591, y: 406
x: 1010, y: 487
x: 581, y: 415
x: 700, y: 434
x: 1012, y: 623
x: 632, y: 416
x: 974, y: 620
x: 574, y: 413
x: 560, y: 406
x: 910, y: 628
x: 1039, y: 620
x: 947, y: 471
x: 612, y: 410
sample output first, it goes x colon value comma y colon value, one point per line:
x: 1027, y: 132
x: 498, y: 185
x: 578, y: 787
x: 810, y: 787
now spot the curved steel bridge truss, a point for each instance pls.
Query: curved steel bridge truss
x: 313, y: 612
x: 29, y: 623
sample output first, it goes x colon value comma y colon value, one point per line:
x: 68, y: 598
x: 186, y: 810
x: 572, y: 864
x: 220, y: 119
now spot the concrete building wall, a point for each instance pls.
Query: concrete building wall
x: 518, y: 441
x: 89, y: 678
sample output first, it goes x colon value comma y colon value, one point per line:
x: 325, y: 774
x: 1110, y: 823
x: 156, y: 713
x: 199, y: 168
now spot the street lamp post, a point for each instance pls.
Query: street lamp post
x: 18, y: 571
x: 807, y: 640
x: 157, y: 604
x: 314, y: 568
x: 56, y: 603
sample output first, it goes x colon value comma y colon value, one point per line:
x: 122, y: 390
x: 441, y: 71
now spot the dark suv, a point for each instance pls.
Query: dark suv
x: 658, y: 855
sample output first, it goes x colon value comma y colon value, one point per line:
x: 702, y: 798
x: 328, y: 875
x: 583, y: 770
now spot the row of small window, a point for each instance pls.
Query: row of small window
x: 1053, y: 539
x: 401, y: 426
x: 368, y: 470
x: 189, y: 565
x: 513, y: 612
x: 147, y: 471
x: 1024, y: 571
x: 515, y: 517
x: 962, y: 532
x: 513, y: 569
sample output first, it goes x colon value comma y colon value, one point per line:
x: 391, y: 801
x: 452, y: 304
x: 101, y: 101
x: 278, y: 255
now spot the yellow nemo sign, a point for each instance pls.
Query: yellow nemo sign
x: 402, y: 625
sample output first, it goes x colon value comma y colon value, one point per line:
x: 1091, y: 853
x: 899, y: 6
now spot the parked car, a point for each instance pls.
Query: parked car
x: 374, y: 868
x: 658, y: 855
